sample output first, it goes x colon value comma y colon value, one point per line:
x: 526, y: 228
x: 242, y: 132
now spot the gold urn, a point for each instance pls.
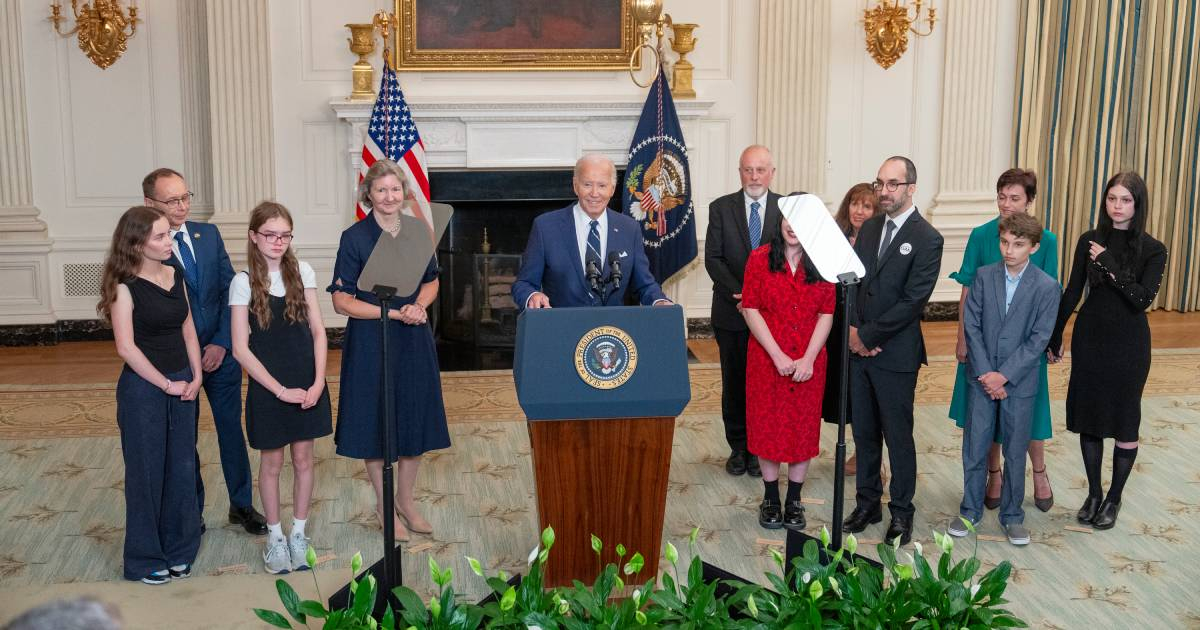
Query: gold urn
x: 362, y: 43
x: 683, y: 42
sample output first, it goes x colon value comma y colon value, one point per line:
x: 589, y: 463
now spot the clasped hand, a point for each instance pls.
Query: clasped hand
x: 799, y: 369
x: 857, y: 346
x: 993, y: 384
x: 306, y: 398
x: 185, y: 390
x: 410, y: 314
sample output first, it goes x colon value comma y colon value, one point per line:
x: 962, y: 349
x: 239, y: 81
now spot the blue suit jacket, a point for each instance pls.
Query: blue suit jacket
x: 209, y: 298
x: 1010, y: 343
x: 552, y: 266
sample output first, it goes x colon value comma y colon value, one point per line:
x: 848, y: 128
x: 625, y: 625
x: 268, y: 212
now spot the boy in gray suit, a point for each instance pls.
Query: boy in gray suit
x: 1008, y: 318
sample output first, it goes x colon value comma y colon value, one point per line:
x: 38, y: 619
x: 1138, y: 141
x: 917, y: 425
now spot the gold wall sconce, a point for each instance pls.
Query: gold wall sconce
x: 887, y: 27
x: 651, y: 24
x: 101, y: 26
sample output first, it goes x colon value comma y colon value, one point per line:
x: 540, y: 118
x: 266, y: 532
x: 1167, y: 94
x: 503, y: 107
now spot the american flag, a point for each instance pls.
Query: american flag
x: 393, y: 135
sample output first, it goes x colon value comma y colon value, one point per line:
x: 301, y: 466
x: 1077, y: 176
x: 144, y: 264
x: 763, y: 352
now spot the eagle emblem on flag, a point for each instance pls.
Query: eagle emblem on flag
x: 657, y: 189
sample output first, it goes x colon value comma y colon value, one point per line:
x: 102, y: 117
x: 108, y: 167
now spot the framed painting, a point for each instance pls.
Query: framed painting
x: 473, y: 35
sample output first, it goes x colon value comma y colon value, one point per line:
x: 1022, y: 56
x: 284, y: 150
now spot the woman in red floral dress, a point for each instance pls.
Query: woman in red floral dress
x: 789, y: 311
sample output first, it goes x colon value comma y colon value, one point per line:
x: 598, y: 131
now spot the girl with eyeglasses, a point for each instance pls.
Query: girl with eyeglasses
x: 278, y: 336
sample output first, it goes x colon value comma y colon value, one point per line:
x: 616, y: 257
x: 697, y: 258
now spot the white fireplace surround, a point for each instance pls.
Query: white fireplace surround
x: 518, y: 135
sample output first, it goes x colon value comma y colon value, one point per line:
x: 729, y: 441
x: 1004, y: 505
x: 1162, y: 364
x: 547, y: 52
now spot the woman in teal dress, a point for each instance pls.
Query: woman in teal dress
x: 1015, y: 192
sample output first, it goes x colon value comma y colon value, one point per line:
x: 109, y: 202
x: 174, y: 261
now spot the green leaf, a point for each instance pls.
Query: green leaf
x: 777, y: 557
x: 356, y: 563
x: 825, y: 537
x: 291, y: 601
x: 640, y: 617
x: 620, y: 550
x: 508, y: 599
x: 310, y: 556
x: 364, y: 597
x: 434, y: 569
x: 672, y: 553
x: 851, y: 544
x: 596, y: 544
x: 475, y: 566
x: 388, y: 621
x: 313, y: 609
x: 548, y: 537
x: 751, y: 606
x: 435, y: 607
x: 635, y: 563
x: 692, y: 537
x: 273, y: 618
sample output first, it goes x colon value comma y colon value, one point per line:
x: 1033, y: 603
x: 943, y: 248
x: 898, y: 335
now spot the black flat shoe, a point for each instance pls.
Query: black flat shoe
x: 793, y: 516
x: 1106, y: 516
x: 752, y: 467
x: 899, y: 528
x: 736, y: 464
x: 1088, y: 512
x: 770, y: 515
x: 249, y: 519
x: 859, y: 519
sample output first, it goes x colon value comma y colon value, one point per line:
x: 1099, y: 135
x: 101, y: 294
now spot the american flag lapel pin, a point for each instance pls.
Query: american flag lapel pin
x: 196, y: 235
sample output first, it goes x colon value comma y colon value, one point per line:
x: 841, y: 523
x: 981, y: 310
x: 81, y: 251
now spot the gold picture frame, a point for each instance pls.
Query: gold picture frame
x: 464, y: 35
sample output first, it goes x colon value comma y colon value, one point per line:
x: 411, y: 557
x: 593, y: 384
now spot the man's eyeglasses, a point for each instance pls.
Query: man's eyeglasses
x: 276, y: 238
x: 891, y: 186
x: 177, y: 202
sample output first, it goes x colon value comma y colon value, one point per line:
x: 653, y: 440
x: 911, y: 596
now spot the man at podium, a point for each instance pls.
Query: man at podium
x: 586, y: 254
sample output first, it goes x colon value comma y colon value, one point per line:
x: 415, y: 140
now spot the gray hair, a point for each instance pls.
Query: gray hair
x: 71, y: 614
x: 379, y: 170
x: 596, y: 157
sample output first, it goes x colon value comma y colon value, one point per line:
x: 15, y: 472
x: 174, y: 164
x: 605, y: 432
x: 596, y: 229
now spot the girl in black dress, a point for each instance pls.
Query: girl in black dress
x: 1122, y: 267
x: 146, y: 302
x: 278, y: 336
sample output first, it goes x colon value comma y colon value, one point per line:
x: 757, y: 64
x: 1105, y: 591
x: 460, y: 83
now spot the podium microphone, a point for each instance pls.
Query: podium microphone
x: 614, y: 264
x: 593, y: 275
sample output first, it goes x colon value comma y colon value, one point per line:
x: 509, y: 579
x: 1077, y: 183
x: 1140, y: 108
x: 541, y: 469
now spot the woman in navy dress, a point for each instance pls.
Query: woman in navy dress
x: 420, y: 422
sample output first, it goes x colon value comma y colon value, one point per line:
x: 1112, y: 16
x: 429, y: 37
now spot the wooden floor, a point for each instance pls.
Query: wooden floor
x: 96, y: 361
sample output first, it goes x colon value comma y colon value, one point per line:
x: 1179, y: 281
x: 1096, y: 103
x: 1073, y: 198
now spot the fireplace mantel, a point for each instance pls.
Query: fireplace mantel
x: 510, y: 134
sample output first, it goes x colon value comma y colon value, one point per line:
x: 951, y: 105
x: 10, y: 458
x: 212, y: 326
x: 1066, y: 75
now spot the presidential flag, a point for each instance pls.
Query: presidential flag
x: 392, y: 134
x: 657, y: 191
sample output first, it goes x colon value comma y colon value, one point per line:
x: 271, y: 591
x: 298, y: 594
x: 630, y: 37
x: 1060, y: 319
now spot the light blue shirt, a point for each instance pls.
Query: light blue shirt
x: 1010, y: 284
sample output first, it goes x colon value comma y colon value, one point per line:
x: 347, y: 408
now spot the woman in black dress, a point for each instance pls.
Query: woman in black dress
x: 278, y: 336
x: 1122, y: 267
x: 145, y: 300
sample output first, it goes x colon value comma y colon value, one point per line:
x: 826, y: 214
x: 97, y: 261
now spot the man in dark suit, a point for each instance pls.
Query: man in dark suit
x: 737, y: 224
x: 201, y: 254
x: 572, y: 252
x: 902, y: 254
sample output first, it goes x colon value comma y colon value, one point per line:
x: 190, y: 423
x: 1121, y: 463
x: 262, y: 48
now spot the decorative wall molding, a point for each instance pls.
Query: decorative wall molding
x: 196, y: 105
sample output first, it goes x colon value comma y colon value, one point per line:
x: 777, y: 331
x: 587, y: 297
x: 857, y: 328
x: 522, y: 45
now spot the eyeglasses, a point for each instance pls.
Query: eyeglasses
x: 276, y: 238
x: 177, y: 202
x: 891, y: 186
x: 753, y: 170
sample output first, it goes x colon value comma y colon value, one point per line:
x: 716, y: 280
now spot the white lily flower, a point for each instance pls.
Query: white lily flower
x: 533, y: 554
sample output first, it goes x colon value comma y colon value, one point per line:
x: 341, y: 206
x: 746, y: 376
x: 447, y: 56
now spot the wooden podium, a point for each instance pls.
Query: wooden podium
x: 601, y: 388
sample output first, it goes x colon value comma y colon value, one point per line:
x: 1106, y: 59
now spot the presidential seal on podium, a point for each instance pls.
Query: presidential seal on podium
x: 605, y: 357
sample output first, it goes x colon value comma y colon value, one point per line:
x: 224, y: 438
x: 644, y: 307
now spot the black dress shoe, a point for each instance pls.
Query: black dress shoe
x: 249, y: 519
x: 1106, y: 516
x: 793, y: 516
x: 1087, y: 513
x: 899, y: 527
x: 860, y: 518
x: 752, y: 468
x: 770, y: 514
x: 736, y: 464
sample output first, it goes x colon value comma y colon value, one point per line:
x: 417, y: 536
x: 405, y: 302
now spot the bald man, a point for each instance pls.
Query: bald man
x: 587, y: 236
x: 738, y: 223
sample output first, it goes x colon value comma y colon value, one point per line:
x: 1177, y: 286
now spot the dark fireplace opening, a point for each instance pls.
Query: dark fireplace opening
x: 475, y: 318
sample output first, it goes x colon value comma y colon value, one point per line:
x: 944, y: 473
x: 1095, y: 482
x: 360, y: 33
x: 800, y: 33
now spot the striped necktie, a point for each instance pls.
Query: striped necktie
x: 755, y: 225
x: 593, y: 246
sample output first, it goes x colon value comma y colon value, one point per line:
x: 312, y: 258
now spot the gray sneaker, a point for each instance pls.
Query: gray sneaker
x: 1017, y: 534
x: 958, y: 528
x: 275, y: 557
x: 298, y: 548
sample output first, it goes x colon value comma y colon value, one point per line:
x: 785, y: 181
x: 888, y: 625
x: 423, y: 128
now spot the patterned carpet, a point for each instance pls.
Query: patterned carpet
x: 61, y: 509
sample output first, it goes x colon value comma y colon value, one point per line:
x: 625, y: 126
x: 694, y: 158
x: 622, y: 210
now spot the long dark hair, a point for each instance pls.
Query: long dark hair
x: 1137, y: 226
x: 289, y: 270
x: 125, y: 254
x: 777, y: 260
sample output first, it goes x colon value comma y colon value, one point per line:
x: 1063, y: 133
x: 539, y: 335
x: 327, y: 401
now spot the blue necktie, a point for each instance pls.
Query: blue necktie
x: 593, y: 246
x: 188, y: 260
x: 755, y: 225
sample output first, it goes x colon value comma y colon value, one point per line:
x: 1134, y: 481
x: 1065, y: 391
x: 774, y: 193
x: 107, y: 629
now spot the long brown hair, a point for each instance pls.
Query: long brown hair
x: 859, y: 192
x: 125, y: 254
x: 289, y: 269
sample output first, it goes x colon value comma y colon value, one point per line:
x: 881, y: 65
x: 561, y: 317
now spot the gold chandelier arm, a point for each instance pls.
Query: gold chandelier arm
x: 133, y: 20
x: 634, y: 56
x: 932, y: 18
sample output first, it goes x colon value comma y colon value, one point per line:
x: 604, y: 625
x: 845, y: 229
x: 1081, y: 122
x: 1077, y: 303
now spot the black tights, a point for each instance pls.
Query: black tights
x: 1092, y: 448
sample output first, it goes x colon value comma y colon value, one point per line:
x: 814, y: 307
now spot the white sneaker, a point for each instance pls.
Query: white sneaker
x: 958, y: 528
x: 1017, y: 534
x: 275, y: 557
x: 298, y: 548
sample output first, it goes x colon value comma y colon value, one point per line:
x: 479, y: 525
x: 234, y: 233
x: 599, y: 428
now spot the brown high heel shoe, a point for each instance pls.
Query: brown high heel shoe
x: 1043, y: 504
x: 989, y: 501
x: 399, y: 530
x: 416, y: 523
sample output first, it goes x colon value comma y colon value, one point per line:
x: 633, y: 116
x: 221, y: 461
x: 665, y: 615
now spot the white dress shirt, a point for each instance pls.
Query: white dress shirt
x: 583, y: 224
